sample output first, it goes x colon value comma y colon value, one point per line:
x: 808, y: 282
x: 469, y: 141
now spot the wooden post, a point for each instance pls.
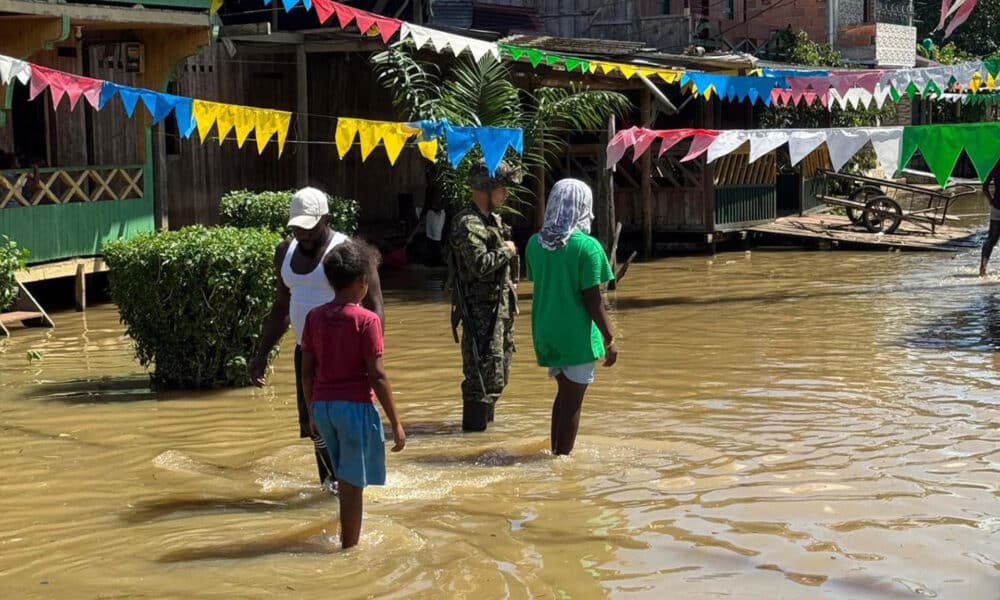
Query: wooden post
x: 646, y: 163
x: 161, y: 210
x: 301, y: 118
x: 81, y: 287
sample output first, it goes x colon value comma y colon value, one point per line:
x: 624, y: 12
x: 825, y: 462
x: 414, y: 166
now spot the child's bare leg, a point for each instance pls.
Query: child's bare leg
x: 569, y: 403
x: 351, y: 510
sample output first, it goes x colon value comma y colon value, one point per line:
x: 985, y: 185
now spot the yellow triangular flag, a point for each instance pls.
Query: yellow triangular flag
x: 265, y: 126
x: 282, y: 121
x: 428, y: 149
x: 216, y: 5
x: 205, y: 114
x: 592, y: 67
x: 669, y: 76
x: 394, y: 137
x: 628, y: 71
x: 369, y: 132
x: 347, y: 129
x: 976, y: 83
x: 225, y: 122
x: 243, y: 120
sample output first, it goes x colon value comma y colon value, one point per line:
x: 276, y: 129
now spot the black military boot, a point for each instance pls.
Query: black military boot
x: 475, y: 416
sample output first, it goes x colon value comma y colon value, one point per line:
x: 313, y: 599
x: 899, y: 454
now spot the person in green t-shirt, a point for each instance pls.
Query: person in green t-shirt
x: 570, y: 326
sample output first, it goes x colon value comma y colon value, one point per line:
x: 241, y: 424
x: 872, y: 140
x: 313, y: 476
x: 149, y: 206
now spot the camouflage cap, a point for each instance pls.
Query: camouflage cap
x: 507, y: 174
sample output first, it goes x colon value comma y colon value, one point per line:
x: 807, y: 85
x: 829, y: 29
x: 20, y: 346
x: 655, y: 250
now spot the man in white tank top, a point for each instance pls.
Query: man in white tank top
x: 302, y: 286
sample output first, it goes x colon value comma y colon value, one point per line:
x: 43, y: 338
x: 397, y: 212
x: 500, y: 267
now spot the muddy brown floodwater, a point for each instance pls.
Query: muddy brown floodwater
x: 782, y: 424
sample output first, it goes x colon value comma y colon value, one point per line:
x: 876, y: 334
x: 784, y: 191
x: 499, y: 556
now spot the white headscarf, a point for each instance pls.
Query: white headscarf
x: 570, y: 207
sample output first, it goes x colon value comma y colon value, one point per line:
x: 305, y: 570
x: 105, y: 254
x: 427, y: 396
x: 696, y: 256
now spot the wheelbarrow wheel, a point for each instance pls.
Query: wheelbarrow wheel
x: 882, y: 214
x: 862, y: 195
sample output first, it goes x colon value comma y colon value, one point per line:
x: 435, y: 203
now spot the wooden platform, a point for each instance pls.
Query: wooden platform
x: 839, y: 231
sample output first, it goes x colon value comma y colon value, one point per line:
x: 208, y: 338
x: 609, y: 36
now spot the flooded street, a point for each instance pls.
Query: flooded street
x: 781, y: 424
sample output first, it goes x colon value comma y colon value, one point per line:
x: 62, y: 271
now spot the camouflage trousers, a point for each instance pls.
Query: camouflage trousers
x: 494, y: 362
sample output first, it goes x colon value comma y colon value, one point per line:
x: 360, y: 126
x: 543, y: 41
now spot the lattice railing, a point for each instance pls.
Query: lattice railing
x: 62, y: 185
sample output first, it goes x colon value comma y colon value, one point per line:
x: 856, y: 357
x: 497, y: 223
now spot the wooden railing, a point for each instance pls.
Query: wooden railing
x: 63, y: 185
x: 191, y: 5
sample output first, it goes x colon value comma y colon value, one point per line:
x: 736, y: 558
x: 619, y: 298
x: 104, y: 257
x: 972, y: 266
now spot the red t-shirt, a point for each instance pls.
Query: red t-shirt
x: 341, y: 337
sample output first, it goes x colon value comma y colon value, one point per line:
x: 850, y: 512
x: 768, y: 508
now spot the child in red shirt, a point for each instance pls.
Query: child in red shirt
x: 342, y: 374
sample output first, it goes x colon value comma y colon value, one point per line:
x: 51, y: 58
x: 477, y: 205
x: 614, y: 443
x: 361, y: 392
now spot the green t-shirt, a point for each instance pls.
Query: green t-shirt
x: 561, y: 328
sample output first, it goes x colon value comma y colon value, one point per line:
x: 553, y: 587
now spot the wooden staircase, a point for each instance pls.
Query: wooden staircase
x: 25, y: 311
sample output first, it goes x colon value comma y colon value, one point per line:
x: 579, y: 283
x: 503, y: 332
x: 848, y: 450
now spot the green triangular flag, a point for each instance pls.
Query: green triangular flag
x: 516, y: 52
x: 993, y: 66
x: 940, y: 145
x: 551, y: 59
x: 982, y: 144
x: 535, y: 57
x: 572, y: 63
x: 911, y: 90
x: 894, y: 93
x: 931, y: 88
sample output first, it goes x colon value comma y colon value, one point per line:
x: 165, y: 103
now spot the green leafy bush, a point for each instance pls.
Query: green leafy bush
x: 193, y: 301
x: 11, y: 261
x: 269, y: 210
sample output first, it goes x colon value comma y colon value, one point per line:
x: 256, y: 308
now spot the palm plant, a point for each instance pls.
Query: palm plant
x: 482, y: 93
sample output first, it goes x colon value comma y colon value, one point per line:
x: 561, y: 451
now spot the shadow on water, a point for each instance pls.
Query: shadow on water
x: 975, y: 327
x: 312, y: 539
x: 94, y: 391
x: 151, y: 510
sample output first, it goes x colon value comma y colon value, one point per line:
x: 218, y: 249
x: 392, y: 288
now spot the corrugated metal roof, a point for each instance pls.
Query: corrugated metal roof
x: 631, y: 52
x: 451, y: 13
x: 505, y: 19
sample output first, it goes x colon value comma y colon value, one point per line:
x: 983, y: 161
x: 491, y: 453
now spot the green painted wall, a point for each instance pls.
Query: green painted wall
x: 744, y: 204
x: 58, y: 231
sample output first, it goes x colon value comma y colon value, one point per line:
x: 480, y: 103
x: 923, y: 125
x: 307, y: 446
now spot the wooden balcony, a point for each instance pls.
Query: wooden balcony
x: 65, y: 212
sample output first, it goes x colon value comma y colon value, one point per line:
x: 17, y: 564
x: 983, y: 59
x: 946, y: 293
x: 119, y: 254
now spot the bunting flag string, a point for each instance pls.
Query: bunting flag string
x: 202, y: 115
x: 940, y: 145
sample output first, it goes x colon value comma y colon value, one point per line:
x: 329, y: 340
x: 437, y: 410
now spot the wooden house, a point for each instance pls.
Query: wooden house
x: 73, y: 180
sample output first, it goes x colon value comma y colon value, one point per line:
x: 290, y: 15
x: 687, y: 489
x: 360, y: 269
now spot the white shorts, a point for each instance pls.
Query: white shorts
x: 583, y: 374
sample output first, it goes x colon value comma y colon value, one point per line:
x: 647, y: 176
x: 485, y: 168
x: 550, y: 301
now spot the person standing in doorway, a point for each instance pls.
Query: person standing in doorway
x: 484, y: 300
x: 991, y: 189
x: 570, y: 327
x: 302, y: 286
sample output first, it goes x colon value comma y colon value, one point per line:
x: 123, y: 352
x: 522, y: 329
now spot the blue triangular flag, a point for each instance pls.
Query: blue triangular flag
x: 289, y: 4
x: 129, y: 96
x: 494, y: 141
x: 460, y: 142
x: 184, y: 114
x: 108, y: 91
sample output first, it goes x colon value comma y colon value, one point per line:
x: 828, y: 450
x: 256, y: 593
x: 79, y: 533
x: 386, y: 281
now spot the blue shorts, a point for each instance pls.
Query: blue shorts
x: 354, y: 440
x: 583, y: 374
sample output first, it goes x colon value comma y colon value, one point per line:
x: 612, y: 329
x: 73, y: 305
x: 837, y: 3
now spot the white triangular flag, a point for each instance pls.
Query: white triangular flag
x: 11, y: 68
x: 419, y: 35
x: 801, y: 143
x: 886, y: 142
x: 727, y: 141
x: 762, y: 142
x: 842, y: 144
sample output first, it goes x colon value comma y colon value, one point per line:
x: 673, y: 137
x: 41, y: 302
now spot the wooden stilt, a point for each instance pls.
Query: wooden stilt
x: 81, y: 287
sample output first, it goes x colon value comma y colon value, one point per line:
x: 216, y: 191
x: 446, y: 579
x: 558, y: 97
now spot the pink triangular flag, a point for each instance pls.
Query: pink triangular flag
x: 643, y: 139
x: 388, y: 28
x: 619, y: 144
x: 672, y: 138
x: 843, y: 83
x: 945, y: 6
x: 345, y: 14
x: 324, y: 10
x: 365, y: 20
x: 40, y: 80
x: 960, y: 16
x: 702, y: 140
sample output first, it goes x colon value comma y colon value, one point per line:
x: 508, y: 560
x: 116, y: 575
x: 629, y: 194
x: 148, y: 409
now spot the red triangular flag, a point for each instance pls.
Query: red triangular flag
x: 324, y: 10
x: 388, y: 28
x: 345, y: 14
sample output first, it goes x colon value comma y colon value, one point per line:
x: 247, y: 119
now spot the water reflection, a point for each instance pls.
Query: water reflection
x: 781, y: 425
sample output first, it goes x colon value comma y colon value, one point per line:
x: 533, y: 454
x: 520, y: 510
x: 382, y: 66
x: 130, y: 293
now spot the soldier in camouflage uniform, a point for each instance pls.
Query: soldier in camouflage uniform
x: 481, y: 261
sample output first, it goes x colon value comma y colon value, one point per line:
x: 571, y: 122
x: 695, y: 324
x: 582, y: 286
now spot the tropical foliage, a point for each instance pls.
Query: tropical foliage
x: 269, y: 210
x: 193, y: 301
x: 483, y: 93
x: 12, y: 260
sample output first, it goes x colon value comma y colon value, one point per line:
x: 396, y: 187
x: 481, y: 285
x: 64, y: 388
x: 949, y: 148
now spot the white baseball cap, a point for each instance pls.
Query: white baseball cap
x: 309, y: 205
